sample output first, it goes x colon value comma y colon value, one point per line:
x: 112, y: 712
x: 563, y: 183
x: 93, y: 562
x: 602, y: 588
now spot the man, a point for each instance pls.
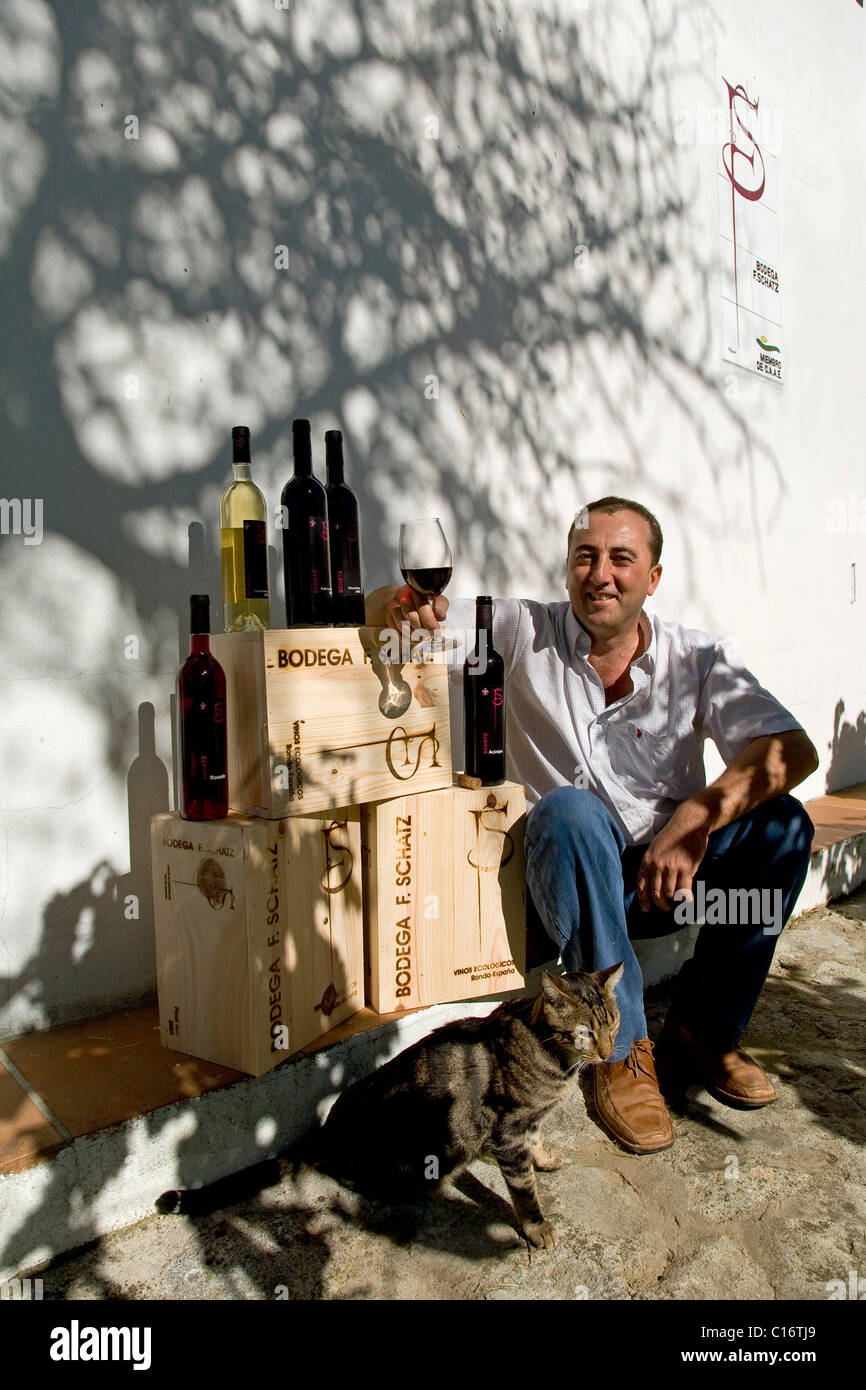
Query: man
x: 607, y: 712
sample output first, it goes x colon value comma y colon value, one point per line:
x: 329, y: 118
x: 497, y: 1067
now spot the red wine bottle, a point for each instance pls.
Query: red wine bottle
x: 347, y: 592
x: 201, y: 705
x: 484, y: 701
x: 306, y: 561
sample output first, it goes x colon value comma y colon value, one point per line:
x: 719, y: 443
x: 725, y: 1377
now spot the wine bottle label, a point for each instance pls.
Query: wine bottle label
x: 204, y: 742
x: 204, y: 758
x: 319, y: 556
x: 484, y: 707
x: 255, y: 559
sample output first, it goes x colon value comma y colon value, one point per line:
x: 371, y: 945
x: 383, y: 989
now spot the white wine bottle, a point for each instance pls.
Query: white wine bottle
x: 244, y: 544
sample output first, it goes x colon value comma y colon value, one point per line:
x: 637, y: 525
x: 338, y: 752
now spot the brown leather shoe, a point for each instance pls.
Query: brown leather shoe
x: 732, y: 1077
x: 629, y: 1103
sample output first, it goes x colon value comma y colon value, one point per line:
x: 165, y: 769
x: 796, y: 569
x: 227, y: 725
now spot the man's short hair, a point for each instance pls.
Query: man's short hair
x: 621, y: 504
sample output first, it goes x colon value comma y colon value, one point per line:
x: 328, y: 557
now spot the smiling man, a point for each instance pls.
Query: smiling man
x: 607, y: 714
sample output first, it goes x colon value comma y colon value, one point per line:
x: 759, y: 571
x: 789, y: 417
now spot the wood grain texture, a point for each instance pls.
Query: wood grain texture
x: 444, y: 895
x: 259, y: 933
x: 315, y: 720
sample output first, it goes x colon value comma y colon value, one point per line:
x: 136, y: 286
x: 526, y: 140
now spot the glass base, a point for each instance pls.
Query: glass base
x: 245, y: 622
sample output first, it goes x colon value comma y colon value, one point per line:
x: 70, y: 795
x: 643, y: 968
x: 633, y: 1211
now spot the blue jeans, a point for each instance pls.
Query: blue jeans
x: 581, y: 876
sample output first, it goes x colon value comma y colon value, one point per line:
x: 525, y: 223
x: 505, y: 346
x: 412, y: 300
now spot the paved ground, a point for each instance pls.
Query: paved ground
x: 750, y: 1205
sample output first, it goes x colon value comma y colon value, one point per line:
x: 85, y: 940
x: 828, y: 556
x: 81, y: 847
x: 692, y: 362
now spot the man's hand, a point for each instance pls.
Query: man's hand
x: 395, y: 605
x: 408, y: 606
x: 768, y: 766
x: 671, y: 860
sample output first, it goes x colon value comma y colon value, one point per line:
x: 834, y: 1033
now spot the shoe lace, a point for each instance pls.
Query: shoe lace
x: 641, y: 1051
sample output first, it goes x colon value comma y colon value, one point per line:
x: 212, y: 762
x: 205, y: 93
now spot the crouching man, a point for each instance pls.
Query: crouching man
x: 607, y: 711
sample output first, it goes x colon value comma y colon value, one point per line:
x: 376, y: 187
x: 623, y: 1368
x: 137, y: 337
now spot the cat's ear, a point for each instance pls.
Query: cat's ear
x: 608, y: 979
x: 554, y: 988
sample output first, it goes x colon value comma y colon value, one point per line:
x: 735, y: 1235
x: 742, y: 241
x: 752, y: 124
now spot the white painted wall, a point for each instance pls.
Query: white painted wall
x: 145, y: 317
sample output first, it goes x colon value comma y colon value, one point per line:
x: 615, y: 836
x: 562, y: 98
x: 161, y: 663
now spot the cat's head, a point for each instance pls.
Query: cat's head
x: 581, y: 1009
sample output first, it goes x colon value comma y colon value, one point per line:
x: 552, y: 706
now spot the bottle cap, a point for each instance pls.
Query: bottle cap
x: 302, y: 448
x: 240, y: 444
x: 334, y: 455
x: 199, y: 613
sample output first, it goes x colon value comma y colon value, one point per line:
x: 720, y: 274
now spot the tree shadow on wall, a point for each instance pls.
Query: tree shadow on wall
x: 847, y: 763
x: 480, y: 219
x: 490, y: 262
x: 844, y: 856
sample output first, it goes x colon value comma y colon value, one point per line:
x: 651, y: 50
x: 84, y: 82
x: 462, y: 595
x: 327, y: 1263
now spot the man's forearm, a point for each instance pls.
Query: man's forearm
x: 767, y: 767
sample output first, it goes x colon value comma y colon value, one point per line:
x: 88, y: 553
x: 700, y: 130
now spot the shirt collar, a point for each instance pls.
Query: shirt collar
x: 580, y: 641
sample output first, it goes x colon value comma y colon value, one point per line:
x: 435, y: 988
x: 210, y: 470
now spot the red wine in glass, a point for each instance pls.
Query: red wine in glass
x: 428, y: 581
x: 425, y: 556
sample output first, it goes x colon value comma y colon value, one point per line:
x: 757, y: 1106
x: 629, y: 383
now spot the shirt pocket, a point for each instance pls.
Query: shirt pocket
x: 649, y: 763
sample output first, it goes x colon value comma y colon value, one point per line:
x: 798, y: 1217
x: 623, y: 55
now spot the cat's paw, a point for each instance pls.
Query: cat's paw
x: 541, y: 1234
x: 547, y: 1160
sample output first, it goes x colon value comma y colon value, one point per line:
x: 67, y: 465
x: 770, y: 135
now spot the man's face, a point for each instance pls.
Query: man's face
x: 609, y: 572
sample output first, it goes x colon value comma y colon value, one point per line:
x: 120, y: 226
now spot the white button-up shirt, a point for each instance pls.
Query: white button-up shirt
x: 642, y: 754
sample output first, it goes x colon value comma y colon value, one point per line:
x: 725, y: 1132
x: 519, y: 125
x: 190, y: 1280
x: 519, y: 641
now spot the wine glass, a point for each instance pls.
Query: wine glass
x: 425, y: 556
x: 426, y: 562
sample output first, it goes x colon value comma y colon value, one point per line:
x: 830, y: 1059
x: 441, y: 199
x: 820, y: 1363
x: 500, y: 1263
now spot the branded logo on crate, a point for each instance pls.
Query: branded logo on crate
x: 338, y: 869
x: 278, y: 1029
x: 493, y: 970
x: 210, y: 879
x: 403, y: 880
x: 400, y: 753
x: 335, y: 999
x: 336, y: 874
x: 498, y: 859
x: 289, y: 776
x: 315, y: 656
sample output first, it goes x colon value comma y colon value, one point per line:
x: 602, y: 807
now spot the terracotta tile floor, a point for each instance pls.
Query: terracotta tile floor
x: 102, y: 1071
x: 90, y: 1075
x: 839, y: 815
x: 25, y: 1133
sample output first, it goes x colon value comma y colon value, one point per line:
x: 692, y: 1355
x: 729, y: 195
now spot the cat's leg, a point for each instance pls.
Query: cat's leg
x: 545, y: 1160
x: 515, y: 1161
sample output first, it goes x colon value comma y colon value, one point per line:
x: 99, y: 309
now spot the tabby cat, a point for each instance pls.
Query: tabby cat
x: 477, y: 1086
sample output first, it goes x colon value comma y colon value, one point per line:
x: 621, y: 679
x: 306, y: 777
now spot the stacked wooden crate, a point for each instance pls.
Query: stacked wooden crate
x: 339, y: 778
x: 259, y: 936
x: 444, y: 895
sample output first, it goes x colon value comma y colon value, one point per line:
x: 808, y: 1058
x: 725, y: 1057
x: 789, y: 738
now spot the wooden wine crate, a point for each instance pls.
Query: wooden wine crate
x: 316, y: 719
x: 444, y: 896
x: 259, y: 933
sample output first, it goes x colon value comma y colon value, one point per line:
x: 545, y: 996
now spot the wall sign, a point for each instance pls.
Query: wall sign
x: 748, y: 140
